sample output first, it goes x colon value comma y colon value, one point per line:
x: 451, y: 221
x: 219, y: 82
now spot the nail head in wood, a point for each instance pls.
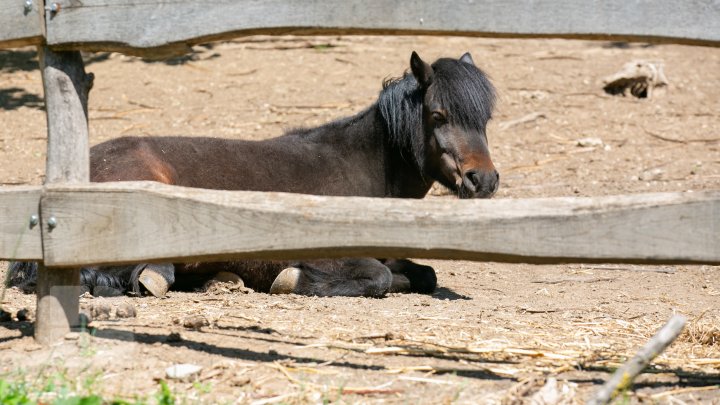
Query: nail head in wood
x: 54, y: 8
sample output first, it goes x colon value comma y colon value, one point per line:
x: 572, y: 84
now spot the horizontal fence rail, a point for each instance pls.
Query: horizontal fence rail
x: 21, y: 23
x: 20, y: 236
x: 141, y: 221
x: 158, y: 28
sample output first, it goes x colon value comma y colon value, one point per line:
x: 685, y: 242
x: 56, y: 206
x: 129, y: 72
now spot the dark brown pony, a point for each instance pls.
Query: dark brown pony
x: 429, y: 125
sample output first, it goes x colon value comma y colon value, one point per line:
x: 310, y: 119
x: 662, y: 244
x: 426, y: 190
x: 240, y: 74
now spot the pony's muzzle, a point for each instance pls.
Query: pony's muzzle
x: 480, y: 183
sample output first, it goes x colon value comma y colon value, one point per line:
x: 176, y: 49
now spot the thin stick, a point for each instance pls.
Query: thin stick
x: 427, y: 380
x: 667, y: 139
x: 625, y: 375
x: 666, y: 270
x: 574, y: 280
x: 684, y: 391
x: 522, y: 120
x: 381, y: 389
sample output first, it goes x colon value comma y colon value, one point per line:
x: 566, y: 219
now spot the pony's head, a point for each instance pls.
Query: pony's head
x: 441, y: 118
x: 457, y: 104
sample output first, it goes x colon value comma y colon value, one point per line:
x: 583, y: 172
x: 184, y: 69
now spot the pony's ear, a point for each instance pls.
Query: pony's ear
x: 421, y: 70
x: 467, y: 58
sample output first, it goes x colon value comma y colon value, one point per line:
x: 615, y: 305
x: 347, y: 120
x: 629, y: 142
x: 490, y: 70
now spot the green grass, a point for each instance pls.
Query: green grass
x: 58, y: 390
x: 165, y: 396
x: 13, y: 393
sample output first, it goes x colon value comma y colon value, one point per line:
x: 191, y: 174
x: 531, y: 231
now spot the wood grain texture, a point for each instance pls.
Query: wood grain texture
x: 20, y: 25
x: 160, y: 27
x: 135, y: 221
x: 58, y: 303
x: 67, y: 87
x: 19, y: 240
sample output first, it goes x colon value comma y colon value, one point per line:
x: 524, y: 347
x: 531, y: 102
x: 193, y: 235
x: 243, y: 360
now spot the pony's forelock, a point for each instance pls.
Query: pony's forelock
x: 466, y: 92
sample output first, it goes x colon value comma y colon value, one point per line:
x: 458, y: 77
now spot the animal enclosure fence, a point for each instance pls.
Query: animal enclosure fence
x: 69, y: 222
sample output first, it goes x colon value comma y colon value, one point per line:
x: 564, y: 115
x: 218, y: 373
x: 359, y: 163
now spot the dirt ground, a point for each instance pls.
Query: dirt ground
x: 493, y: 332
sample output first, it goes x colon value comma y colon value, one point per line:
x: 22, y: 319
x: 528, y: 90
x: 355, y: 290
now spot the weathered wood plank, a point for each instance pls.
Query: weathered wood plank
x: 19, y: 235
x: 21, y: 23
x: 142, y: 27
x: 66, y: 88
x: 130, y: 222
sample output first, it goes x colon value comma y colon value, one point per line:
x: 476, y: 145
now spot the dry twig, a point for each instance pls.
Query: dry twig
x: 684, y: 391
x: 625, y: 375
x: 427, y: 380
x: 574, y: 280
x: 683, y: 141
x: 344, y: 390
x: 666, y: 270
x: 522, y: 120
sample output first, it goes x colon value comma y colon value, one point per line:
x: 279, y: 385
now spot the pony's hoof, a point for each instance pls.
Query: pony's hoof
x: 286, y: 281
x: 400, y: 284
x: 228, y: 277
x: 154, y: 282
x: 224, y: 281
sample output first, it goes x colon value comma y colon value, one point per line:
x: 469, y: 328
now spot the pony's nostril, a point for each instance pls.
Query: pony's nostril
x: 481, y: 183
x: 471, y: 178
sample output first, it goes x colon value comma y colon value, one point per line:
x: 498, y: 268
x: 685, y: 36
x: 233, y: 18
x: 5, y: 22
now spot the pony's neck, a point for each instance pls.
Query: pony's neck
x: 405, y: 175
x: 366, y: 144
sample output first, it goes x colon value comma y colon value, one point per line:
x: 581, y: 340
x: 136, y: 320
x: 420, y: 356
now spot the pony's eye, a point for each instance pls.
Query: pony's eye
x: 439, y: 117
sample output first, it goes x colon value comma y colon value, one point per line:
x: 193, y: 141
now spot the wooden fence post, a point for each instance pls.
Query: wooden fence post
x: 66, y: 88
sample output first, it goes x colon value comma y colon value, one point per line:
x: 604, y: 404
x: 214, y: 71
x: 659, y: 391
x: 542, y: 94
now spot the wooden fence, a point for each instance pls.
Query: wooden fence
x: 69, y: 222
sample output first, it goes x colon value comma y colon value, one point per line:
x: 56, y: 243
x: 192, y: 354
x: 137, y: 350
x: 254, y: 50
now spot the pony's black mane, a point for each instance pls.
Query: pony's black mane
x: 460, y: 87
x: 400, y: 104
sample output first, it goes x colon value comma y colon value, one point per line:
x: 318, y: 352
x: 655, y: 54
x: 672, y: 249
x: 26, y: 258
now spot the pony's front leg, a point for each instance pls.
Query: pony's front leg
x: 155, y: 278
x: 107, y: 281
x: 409, y: 276
x: 345, y: 277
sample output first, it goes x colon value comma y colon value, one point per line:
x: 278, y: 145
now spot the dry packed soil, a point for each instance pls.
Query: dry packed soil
x: 492, y: 332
